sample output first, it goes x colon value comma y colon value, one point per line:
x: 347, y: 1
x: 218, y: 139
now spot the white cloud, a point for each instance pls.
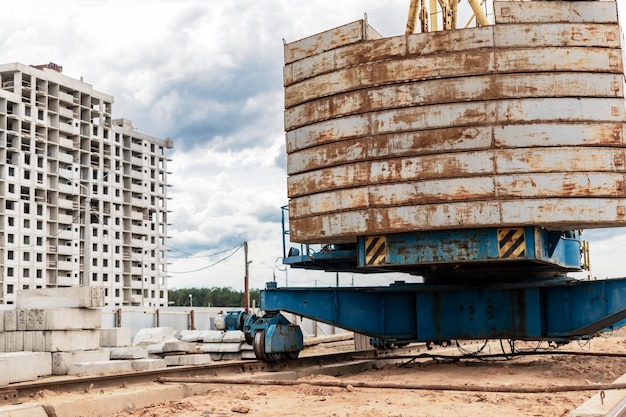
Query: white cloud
x: 209, y: 74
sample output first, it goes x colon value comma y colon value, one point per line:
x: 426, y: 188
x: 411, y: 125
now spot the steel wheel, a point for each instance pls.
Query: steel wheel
x: 259, y: 346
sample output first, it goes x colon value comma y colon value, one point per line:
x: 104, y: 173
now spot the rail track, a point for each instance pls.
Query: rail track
x: 342, y: 364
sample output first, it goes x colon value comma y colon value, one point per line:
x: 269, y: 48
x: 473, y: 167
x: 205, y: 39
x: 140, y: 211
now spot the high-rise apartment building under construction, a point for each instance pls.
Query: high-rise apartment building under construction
x: 83, y: 197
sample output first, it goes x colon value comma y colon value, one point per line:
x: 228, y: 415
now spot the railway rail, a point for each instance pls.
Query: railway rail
x: 345, y: 364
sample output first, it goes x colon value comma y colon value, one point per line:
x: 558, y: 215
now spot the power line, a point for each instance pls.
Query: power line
x: 211, y: 265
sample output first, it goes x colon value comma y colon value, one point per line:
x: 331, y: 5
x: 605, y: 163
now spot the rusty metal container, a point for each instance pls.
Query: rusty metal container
x: 520, y: 123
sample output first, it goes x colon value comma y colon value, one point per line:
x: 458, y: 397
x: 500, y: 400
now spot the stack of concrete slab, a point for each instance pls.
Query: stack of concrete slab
x: 48, y: 331
x: 162, y: 343
x: 230, y: 345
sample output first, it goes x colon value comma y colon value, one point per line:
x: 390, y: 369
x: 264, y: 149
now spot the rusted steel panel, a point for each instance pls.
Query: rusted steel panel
x: 449, y: 190
x: 559, y: 59
x: 390, y: 121
x: 347, y: 56
x: 325, y: 41
x: 392, y: 195
x: 459, y: 165
x: 555, y: 11
x: 389, y: 72
x: 431, y: 141
x: 443, y: 66
x: 557, y: 34
x: 561, y: 159
x: 486, y: 87
x: 561, y: 185
x: 559, y: 134
x: 561, y: 109
x: 450, y: 41
x: 449, y: 165
x: 556, y: 214
x: 457, y: 114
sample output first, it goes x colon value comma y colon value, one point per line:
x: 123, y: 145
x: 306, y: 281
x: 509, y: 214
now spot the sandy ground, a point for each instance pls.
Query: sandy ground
x: 309, y: 400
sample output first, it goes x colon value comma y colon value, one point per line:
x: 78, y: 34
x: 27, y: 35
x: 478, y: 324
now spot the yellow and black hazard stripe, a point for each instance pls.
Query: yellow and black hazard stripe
x: 375, y: 250
x: 511, y: 243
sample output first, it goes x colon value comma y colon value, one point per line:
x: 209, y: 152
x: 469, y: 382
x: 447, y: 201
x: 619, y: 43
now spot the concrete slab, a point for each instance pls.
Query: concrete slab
x: 27, y: 366
x: 179, y: 346
x: 95, y: 404
x: 248, y: 354
x: 10, y: 320
x: 102, y: 367
x: 62, y: 361
x: 129, y: 352
x: 193, y: 335
x: 63, y: 319
x: 23, y: 410
x: 70, y: 340
x: 1, y: 320
x: 14, y: 341
x: 22, y: 318
x: 214, y: 336
x: 234, y: 336
x: 220, y: 347
x: 599, y: 407
x: 145, y: 337
x: 115, y: 337
x: 33, y: 341
x: 69, y: 297
x: 181, y: 360
x: 148, y: 364
x: 232, y: 356
x: 4, y: 372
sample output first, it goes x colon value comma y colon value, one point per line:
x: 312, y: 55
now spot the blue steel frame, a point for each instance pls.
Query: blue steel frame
x: 557, y: 311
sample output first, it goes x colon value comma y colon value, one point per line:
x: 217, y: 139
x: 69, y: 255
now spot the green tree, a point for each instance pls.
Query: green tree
x: 214, y: 297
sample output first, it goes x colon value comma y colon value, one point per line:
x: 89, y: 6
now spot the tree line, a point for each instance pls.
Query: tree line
x: 211, y: 297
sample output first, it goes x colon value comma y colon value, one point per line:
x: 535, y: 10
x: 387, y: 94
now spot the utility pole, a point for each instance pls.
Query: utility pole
x: 246, y: 289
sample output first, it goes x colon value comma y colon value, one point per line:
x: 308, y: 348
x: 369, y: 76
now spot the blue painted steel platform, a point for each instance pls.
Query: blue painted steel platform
x: 560, y: 310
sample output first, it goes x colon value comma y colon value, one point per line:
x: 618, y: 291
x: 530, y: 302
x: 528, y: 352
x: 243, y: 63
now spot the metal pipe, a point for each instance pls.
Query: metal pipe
x: 481, y: 18
x: 392, y: 385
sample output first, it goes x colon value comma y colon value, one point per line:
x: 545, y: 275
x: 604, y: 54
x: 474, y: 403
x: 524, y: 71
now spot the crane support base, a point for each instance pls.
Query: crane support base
x: 556, y: 310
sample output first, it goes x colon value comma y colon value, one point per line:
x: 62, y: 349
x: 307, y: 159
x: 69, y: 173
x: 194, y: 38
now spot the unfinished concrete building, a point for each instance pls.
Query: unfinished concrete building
x: 83, y: 197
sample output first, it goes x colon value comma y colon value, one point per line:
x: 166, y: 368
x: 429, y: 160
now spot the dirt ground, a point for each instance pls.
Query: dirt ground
x: 529, y: 371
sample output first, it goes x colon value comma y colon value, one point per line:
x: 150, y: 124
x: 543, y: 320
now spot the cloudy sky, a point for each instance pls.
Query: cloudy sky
x: 208, y: 74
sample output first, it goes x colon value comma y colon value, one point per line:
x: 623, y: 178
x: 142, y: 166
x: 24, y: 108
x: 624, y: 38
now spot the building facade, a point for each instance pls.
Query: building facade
x: 83, y: 197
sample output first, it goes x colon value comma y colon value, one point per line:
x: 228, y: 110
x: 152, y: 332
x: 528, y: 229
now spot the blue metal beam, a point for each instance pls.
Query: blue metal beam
x: 557, y: 310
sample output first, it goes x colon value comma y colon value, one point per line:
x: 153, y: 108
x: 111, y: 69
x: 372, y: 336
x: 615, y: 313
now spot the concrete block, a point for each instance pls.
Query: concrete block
x: 10, y: 320
x: 179, y: 346
x: 22, y: 317
x: 145, y: 337
x: 69, y: 297
x: 130, y: 352
x: 148, y: 364
x: 4, y: 372
x: 115, y: 337
x: 216, y: 356
x: 70, y: 340
x: 27, y: 366
x: 103, y: 367
x: 157, y: 348
x: 233, y: 336
x: 193, y: 335
x: 182, y: 360
x: 248, y: 354
x: 214, y: 336
x: 601, y: 405
x: 14, y: 341
x: 220, y: 347
x: 1, y: 320
x: 23, y: 410
x: 33, y: 341
x: 62, y: 361
x: 63, y: 319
